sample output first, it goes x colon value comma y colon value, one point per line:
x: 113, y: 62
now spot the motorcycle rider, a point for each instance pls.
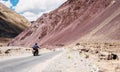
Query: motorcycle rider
x: 35, y: 49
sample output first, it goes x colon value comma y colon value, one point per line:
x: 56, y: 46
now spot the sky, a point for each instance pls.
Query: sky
x: 32, y: 9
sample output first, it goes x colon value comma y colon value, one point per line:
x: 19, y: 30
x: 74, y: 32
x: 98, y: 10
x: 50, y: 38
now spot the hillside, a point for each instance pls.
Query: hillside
x: 11, y: 23
x: 75, y: 20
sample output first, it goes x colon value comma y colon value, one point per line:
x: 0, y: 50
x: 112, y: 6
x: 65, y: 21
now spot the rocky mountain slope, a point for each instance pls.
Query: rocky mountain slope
x: 75, y: 20
x: 11, y: 23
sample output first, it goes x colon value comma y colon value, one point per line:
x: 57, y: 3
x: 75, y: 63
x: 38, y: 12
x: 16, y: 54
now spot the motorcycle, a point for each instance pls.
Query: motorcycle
x: 35, y: 52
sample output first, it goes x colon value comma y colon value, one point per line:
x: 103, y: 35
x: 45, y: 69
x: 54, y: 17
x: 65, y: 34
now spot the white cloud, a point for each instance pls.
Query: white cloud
x: 30, y: 16
x: 33, y: 8
x: 7, y: 3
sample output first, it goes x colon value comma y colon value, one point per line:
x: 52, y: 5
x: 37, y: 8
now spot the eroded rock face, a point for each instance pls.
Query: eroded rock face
x: 11, y: 23
x: 72, y: 21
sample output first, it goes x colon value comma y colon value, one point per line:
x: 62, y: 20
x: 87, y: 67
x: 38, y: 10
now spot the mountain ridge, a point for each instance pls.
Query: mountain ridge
x: 11, y: 23
x: 72, y: 21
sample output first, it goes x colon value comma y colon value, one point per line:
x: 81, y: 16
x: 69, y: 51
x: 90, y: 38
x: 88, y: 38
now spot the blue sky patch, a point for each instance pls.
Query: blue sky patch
x: 14, y: 2
x: 5, y: 0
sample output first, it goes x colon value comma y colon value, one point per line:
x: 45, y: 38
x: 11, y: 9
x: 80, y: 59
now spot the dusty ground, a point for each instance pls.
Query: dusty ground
x: 70, y: 61
x: 78, y: 57
x: 85, y: 57
x: 97, y: 53
x: 16, y: 52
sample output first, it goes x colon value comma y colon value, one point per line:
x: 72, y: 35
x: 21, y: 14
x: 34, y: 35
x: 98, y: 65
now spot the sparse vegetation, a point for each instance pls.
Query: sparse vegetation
x: 0, y: 52
x: 69, y: 57
x: 77, y: 44
x: 13, y: 51
x: 7, y: 51
x: 87, y: 56
x: 60, y: 45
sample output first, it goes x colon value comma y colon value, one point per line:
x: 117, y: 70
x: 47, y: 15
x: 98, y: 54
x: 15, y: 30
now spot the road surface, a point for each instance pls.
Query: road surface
x: 25, y: 64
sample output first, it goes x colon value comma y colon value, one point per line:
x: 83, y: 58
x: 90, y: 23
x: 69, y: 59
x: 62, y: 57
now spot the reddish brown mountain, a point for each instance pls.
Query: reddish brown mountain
x: 75, y: 20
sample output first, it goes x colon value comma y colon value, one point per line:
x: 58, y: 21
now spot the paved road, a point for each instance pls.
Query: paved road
x: 25, y: 64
